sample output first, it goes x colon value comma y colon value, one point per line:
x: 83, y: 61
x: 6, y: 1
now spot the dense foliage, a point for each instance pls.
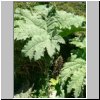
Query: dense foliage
x: 50, y: 53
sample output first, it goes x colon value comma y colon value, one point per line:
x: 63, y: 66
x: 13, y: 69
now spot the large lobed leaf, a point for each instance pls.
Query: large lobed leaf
x: 76, y: 71
x: 44, y: 27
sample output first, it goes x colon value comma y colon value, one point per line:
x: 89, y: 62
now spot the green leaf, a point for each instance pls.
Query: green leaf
x: 43, y: 26
x: 76, y: 41
x: 65, y: 32
x: 53, y: 81
x: 77, y: 81
x: 76, y: 71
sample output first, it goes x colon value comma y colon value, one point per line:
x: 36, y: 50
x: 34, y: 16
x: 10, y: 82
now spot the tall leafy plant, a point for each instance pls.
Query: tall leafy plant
x: 44, y: 26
